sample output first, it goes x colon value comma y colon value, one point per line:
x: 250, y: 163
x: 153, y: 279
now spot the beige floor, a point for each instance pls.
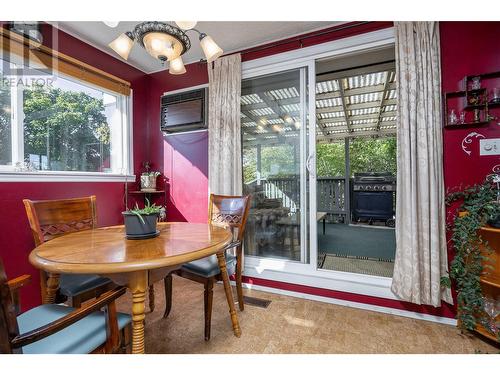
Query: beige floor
x: 292, y: 325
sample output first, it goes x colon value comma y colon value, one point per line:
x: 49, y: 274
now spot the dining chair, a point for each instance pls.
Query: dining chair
x: 59, y: 329
x: 49, y: 219
x: 228, y: 211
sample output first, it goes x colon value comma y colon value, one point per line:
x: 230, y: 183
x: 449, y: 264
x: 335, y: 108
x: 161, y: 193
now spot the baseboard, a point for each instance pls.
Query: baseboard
x: 357, y: 305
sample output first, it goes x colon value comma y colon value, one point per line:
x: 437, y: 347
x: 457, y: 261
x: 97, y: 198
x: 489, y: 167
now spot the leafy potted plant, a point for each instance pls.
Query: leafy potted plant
x: 479, y: 205
x: 148, y: 178
x: 141, y: 223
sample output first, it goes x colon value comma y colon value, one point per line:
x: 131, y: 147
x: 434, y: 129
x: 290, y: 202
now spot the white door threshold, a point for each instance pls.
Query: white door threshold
x: 357, y: 305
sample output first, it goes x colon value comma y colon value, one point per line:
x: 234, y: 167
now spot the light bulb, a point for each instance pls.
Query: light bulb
x: 122, y: 45
x: 186, y: 25
x: 162, y: 45
x: 211, y: 50
x: 177, y: 66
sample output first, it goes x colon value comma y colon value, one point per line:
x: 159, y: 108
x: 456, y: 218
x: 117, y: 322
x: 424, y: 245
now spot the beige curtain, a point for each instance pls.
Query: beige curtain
x: 224, y: 127
x: 421, y: 258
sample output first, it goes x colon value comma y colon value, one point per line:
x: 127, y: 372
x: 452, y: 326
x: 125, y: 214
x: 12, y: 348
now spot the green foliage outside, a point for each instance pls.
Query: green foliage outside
x: 5, y: 135
x: 70, y: 128
x: 366, y: 155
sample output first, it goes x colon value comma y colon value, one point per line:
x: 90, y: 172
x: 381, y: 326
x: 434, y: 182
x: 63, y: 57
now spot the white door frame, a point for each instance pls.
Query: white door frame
x: 307, y: 273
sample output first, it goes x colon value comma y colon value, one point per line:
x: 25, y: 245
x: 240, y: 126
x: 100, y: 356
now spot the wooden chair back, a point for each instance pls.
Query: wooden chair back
x: 231, y: 211
x: 8, y: 322
x: 53, y: 218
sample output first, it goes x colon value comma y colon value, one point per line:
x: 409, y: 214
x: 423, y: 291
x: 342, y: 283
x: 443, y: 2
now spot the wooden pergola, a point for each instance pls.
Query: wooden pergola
x: 351, y: 103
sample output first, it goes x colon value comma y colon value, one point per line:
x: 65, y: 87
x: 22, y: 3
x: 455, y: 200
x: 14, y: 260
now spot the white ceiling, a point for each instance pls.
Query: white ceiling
x: 230, y: 36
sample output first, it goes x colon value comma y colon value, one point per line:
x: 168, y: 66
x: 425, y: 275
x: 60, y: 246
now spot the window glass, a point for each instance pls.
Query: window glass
x: 5, y: 127
x: 60, y: 125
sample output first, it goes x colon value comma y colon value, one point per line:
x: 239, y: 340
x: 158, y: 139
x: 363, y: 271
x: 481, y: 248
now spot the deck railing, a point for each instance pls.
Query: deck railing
x: 333, y: 196
x: 331, y: 193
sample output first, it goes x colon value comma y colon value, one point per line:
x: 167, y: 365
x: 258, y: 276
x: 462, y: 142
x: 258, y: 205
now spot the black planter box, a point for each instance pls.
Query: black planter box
x: 136, y: 229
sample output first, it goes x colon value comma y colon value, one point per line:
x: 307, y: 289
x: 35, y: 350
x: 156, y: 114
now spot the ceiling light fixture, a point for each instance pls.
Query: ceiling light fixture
x: 165, y: 42
x: 186, y: 25
x: 111, y: 23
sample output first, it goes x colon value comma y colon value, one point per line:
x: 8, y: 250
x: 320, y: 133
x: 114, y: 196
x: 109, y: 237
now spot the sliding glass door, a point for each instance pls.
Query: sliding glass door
x: 274, y: 146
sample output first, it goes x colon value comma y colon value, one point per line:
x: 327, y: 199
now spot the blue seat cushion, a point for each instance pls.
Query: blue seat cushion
x: 82, y: 337
x: 208, y: 267
x: 71, y: 284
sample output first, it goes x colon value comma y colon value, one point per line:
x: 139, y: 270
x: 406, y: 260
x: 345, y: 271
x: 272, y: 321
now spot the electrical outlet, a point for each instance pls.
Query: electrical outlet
x: 489, y: 146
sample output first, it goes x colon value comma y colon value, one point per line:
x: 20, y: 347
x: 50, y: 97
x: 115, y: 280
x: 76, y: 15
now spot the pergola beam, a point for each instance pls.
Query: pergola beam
x: 351, y: 107
x: 382, y: 99
x: 372, y: 116
x: 344, y: 104
x: 356, y: 91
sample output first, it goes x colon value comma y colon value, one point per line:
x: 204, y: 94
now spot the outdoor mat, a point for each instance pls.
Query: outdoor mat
x: 365, y: 266
x: 360, y: 241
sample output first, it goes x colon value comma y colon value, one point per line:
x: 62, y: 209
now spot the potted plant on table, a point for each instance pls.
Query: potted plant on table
x: 480, y: 205
x: 141, y: 223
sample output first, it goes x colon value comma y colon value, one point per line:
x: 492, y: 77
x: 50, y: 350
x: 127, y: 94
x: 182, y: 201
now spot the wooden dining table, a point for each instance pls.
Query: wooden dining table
x: 134, y: 263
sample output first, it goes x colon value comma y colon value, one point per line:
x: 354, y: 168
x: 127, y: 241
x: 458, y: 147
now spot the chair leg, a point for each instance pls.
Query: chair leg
x: 239, y: 287
x: 151, y: 298
x: 76, y: 302
x: 168, y: 294
x: 209, y: 296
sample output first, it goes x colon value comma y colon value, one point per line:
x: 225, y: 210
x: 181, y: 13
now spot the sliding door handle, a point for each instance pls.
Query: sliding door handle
x: 310, y: 165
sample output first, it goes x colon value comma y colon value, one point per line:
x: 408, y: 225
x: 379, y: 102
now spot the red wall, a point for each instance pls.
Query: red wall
x: 185, y: 157
x: 467, y: 48
x: 185, y: 161
x: 16, y: 240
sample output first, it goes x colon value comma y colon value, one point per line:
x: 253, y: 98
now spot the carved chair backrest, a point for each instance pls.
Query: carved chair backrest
x: 8, y: 322
x: 230, y: 211
x: 53, y: 218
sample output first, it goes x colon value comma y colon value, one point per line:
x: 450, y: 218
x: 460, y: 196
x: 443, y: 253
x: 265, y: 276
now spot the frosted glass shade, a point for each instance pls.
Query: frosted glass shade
x: 211, y: 50
x: 111, y: 23
x: 161, y: 44
x: 186, y: 25
x: 122, y: 45
x: 177, y: 66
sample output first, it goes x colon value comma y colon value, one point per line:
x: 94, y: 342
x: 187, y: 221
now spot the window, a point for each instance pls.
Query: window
x: 56, y: 124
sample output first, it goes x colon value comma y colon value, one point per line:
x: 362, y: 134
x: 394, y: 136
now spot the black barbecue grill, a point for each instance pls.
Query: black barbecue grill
x: 373, y: 197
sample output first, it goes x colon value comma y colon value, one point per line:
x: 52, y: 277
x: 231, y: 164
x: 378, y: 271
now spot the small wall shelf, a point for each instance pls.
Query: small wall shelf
x: 147, y: 194
x: 474, y: 100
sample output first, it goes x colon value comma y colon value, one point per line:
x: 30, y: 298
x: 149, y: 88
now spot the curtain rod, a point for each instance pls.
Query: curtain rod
x: 297, y: 38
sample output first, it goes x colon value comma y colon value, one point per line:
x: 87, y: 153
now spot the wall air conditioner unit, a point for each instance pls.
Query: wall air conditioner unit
x: 185, y: 111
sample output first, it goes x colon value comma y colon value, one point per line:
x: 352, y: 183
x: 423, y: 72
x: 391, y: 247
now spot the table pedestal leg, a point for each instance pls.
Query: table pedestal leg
x: 229, y: 293
x: 51, y: 288
x: 138, y: 285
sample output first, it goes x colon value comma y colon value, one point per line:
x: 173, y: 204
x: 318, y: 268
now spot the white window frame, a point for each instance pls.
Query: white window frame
x: 9, y: 174
x: 307, y: 273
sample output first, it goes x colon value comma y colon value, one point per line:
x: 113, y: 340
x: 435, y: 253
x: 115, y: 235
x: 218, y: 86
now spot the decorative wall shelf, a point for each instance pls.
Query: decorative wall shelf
x: 474, y: 100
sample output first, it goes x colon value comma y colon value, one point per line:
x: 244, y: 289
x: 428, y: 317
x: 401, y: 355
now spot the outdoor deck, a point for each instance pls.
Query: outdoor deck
x: 343, y: 247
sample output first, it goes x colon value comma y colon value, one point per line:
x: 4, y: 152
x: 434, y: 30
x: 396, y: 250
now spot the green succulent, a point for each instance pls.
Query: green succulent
x: 149, y: 209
